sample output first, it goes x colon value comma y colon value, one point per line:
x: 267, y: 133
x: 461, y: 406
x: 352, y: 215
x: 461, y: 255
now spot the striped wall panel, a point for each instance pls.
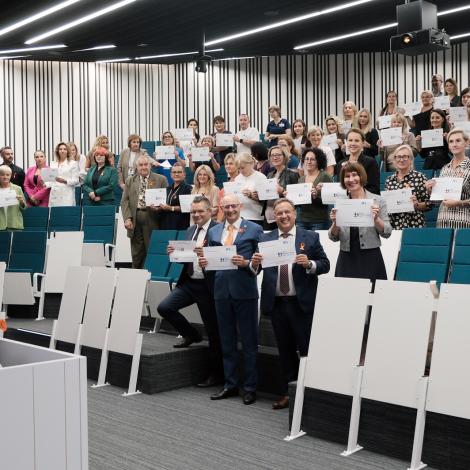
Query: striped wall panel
x: 43, y: 103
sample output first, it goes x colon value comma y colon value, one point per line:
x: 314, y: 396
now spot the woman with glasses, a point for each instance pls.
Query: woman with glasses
x: 169, y: 139
x: 407, y: 177
x: 283, y: 175
x: 171, y: 216
x: 314, y: 216
x: 288, y: 146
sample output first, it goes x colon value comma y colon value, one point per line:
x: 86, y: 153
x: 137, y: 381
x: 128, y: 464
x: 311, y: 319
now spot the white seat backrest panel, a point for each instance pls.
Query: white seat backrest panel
x: 337, y: 332
x: 449, y: 381
x: 398, y: 342
x: 331, y: 249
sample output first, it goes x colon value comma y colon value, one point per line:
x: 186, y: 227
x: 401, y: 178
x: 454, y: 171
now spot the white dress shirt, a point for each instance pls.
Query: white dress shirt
x: 236, y: 224
x: 197, y: 270
x: 250, y: 133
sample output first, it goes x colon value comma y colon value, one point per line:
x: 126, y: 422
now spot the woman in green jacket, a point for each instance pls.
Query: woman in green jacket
x: 11, y: 217
x: 100, y: 181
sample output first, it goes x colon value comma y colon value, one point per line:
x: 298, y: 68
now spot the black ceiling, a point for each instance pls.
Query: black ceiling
x: 149, y: 27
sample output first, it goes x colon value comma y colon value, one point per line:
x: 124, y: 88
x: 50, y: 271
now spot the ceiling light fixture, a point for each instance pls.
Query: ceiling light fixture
x: 453, y: 10
x: 96, y: 48
x: 296, y: 19
x: 37, y: 16
x: 458, y: 36
x: 161, y: 56
x: 345, y: 36
x: 123, y: 59
x: 235, y: 58
x: 79, y: 21
x: 29, y: 49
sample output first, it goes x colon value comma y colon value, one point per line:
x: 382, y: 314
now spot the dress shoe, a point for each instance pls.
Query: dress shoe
x: 282, y: 403
x: 249, y: 398
x: 225, y: 393
x: 186, y: 342
x: 210, y: 382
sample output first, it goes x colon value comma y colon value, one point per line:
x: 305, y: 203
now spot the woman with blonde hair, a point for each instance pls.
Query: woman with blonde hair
x: 387, y: 151
x: 333, y: 126
x: 63, y: 188
x: 209, y: 142
x: 250, y: 179
x: 371, y: 134
x: 407, y: 177
x: 79, y: 158
x: 204, y: 184
x: 231, y: 167
x: 350, y: 113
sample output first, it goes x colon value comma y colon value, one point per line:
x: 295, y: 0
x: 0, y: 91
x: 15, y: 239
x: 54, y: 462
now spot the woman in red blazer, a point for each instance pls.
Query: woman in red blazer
x: 38, y: 194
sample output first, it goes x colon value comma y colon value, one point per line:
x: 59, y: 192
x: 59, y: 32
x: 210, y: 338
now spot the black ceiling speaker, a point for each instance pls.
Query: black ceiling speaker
x: 202, y: 60
x: 417, y: 31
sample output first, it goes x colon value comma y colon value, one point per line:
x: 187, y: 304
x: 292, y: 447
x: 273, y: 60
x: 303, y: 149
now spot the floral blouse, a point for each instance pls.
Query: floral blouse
x: 416, y: 181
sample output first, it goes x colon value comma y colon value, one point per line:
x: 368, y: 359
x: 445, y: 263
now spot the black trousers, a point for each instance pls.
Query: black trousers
x: 195, y: 291
x: 292, y: 328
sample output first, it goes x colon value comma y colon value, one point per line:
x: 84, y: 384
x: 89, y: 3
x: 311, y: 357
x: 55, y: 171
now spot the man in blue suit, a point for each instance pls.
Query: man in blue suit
x: 196, y: 287
x: 288, y: 292
x: 236, y: 299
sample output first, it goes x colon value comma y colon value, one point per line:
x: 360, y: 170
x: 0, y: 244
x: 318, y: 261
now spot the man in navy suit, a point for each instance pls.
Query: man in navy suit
x: 288, y: 292
x: 195, y: 286
x: 236, y: 299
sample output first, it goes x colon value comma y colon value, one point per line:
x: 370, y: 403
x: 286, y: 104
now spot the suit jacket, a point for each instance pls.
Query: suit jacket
x: 308, y: 243
x: 237, y: 283
x: 105, y: 188
x: 14, y: 217
x: 123, y: 165
x: 40, y: 193
x: 130, y: 198
x: 208, y: 275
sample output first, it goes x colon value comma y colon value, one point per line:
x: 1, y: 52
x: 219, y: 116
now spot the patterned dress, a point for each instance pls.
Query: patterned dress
x: 456, y: 217
x: 416, y: 181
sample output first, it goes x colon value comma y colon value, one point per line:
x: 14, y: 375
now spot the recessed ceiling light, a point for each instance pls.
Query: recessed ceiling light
x: 344, y: 36
x: 161, y: 56
x: 81, y: 20
x: 96, y: 48
x: 123, y: 59
x: 287, y: 22
x: 37, y: 16
x: 29, y: 49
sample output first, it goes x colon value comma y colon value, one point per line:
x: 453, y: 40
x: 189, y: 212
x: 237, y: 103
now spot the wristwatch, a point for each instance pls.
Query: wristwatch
x: 310, y: 265
x: 241, y: 141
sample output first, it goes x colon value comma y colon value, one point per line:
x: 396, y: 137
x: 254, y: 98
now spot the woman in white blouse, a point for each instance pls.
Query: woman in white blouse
x: 63, y: 188
x: 250, y: 180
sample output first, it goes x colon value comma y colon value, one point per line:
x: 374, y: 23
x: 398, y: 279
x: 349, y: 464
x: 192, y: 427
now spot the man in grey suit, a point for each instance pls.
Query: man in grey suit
x: 139, y: 219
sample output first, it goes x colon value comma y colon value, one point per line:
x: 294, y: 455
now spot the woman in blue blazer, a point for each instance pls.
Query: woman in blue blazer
x: 100, y: 181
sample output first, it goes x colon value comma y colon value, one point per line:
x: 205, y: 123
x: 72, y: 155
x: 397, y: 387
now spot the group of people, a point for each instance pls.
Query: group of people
x: 221, y: 216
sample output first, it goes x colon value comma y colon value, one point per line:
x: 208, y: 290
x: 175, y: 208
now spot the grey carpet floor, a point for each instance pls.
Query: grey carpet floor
x: 183, y: 429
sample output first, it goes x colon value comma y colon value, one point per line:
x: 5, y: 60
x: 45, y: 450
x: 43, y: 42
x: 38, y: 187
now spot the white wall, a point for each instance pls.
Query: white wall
x: 46, y: 102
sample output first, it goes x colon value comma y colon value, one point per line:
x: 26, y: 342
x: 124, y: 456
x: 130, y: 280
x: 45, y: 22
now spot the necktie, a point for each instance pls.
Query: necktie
x: 230, y: 236
x: 142, y: 188
x: 284, y: 274
x: 191, y: 265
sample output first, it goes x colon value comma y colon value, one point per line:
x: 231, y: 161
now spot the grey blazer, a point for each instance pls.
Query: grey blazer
x: 369, y: 236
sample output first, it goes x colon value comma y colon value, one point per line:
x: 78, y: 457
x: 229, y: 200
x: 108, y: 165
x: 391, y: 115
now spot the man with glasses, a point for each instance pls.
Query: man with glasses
x: 236, y: 299
x: 288, y: 292
x: 195, y: 286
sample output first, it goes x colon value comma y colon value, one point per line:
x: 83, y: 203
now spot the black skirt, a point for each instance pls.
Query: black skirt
x: 359, y: 263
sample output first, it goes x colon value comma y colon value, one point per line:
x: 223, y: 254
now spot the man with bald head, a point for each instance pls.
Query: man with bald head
x: 236, y: 299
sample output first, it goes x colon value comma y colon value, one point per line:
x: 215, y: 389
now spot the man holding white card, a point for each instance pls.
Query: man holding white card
x: 360, y: 255
x: 236, y: 299
x: 288, y: 291
x: 196, y: 286
x: 139, y: 219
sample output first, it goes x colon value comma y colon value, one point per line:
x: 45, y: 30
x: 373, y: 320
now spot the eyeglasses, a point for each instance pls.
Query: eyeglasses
x: 277, y: 155
x: 175, y: 172
x: 310, y: 160
x: 402, y: 157
x: 230, y: 206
